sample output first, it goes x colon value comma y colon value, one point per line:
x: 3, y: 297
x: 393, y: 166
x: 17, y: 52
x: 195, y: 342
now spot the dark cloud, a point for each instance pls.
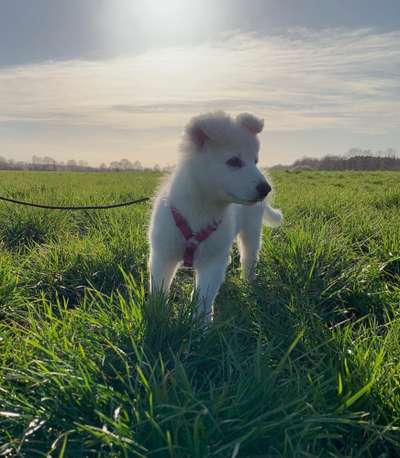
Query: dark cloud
x: 263, y: 15
x: 40, y: 30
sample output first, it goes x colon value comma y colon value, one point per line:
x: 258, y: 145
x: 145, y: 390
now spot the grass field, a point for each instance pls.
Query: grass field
x: 305, y: 362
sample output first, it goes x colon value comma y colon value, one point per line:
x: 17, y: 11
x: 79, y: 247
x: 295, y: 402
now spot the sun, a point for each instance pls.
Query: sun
x: 167, y: 21
x: 138, y: 24
x: 165, y: 9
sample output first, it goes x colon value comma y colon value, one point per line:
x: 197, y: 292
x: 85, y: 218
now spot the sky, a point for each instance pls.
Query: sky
x: 102, y: 80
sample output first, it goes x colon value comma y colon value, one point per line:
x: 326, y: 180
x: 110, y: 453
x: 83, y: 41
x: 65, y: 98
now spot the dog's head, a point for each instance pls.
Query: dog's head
x: 223, y: 155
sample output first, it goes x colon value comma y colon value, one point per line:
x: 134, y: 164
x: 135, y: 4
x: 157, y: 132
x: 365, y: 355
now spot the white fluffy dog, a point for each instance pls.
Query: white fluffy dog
x: 215, y: 194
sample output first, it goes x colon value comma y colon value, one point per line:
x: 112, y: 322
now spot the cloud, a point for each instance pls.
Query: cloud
x: 300, y: 80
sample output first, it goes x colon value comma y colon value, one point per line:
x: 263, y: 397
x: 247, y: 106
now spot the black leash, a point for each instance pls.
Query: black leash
x: 90, y: 207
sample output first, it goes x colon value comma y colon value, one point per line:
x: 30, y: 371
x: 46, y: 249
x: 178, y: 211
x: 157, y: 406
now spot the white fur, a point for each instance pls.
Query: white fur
x: 205, y: 188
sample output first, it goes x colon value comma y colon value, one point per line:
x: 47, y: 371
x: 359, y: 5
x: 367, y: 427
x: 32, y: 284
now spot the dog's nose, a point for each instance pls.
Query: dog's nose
x: 263, y: 189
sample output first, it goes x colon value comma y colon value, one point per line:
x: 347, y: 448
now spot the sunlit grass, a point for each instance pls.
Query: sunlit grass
x: 303, y: 362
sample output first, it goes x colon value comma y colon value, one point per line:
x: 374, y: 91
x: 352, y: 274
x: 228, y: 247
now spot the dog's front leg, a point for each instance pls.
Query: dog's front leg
x: 162, y: 271
x: 208, y: 281
x: 249, y: 247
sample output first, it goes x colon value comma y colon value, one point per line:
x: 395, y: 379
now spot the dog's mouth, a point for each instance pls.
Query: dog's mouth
x: 238, y: 200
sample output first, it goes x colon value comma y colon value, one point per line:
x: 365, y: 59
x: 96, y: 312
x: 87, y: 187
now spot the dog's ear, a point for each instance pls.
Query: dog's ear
x: 197, y: 134
x: 215, y: 127
x: 250, y: 122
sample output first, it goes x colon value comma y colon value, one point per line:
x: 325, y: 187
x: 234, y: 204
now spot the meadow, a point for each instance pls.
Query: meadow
x: 303, y: 362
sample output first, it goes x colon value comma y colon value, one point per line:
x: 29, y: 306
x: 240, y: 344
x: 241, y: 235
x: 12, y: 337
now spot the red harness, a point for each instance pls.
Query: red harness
x: 193, y: 240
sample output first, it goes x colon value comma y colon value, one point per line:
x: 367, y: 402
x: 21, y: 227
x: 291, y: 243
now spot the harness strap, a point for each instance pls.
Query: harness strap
x: 193, y: 240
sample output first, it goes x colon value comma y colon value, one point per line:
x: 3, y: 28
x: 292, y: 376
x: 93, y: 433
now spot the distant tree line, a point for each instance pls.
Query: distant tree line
x: 49, y: 164
x: 354, y: 159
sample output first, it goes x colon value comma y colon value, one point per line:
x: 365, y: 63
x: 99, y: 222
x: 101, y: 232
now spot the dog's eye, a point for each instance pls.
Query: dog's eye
x: 255, y: 161
x: 235, y: 162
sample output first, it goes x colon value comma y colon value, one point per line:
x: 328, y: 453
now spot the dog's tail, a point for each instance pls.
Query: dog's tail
x: 272, y: 217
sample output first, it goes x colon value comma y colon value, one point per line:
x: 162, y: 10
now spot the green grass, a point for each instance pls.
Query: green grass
x: 304, y: 362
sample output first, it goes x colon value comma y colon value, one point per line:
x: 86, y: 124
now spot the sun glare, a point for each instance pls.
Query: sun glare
x: 139, y: 24
x: 167, y: 10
